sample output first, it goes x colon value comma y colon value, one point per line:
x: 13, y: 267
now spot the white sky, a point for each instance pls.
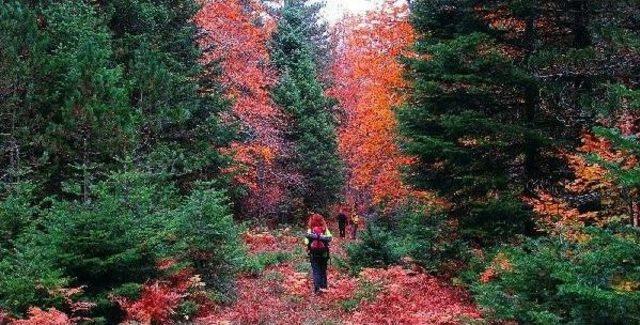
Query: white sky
x: 335, y: 9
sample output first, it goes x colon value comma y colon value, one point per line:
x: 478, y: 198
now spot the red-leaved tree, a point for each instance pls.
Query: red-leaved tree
x: 235, y: 36
x: 368, y: 83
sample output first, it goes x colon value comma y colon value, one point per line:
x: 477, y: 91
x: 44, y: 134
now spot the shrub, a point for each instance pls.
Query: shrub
x: 27, y: 273
x: 429, y: 238
x: 255, y: 264
x: 113, y: 242
x: 375, y: 249
x: 593, y: 279
x: 187, y: 310
x: 27, y: 276
x: 38, y: 316
x: 113, y: 239
x: 414, y: 231
x: 367, y: 291
x: 156, y: 305
x: 208, y: 237
x: 17, y: 213
x: 496, y: 221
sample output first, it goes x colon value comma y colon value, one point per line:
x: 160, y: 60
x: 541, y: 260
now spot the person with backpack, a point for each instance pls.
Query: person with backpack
x: 317, y: 240
x: 355, y: 222
x: 342, y: 223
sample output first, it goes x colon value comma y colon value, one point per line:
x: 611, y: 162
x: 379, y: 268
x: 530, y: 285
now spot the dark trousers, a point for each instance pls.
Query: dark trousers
x: 343, y: 228
x: 319, y: 269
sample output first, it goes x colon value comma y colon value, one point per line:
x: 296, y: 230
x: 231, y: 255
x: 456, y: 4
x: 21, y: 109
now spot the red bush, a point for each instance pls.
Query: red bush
x: 157, y: 304
x: 159, y: 299
x: 38, y: 316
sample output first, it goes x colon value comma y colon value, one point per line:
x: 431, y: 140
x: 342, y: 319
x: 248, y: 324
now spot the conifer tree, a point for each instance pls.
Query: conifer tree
x: 179, y: 131
x: 465, y: 122
x: 312, y: 125
x: 503, y: 86
x: 314, y: 30
x: 18, y: 31
x: 616, y: 46
x: 69, y: 94
x: 88, y: 83
x: 103, y: 113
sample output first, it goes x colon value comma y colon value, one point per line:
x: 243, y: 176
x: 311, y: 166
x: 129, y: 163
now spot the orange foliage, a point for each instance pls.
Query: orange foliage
x: 38, y: 316
x: 263, y: 241
x: 159, y: 299
x: 368, y: 77
x: 236, y: 36
x: 500, y: 264
x: 52, y: 316
x: 260, y: 242
x: 556, y: 215
x: 157, y: 304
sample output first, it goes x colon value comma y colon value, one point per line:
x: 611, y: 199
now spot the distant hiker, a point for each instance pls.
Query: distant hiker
x: 317, y: 240
x: 342, y: 223
x: 355, y: 221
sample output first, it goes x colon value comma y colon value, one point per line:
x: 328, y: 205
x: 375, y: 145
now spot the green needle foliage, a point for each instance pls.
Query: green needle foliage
x: 552, y: 281
x: 502, y: 86
x: 312, y: 125
x: 110, y: 138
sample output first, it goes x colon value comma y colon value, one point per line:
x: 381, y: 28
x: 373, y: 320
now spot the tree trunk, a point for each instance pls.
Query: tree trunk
x: 635, y: 209
x: 582, y: 35
x: 531, y: 102
x: 85, y: 171
x: 582, y: 39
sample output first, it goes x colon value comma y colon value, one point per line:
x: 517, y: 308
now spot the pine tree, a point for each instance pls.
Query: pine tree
x: 104, y: 114
x: 616, y: 44
x: 312, y: 125
x: 22, y: 49
x: 583, y: 55
x: 470, y: 121
x: 88, y: 83
x: 314, y: 30
x: 72, y: 99
x: 179, y: 131
x: 505, y: 85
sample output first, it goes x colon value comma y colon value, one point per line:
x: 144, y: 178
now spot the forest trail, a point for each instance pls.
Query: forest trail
x: 281, y: 293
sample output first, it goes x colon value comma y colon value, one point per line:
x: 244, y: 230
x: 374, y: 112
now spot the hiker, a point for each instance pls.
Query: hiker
x: 342, y: 223
x: 317, y: 240
x: 355, y: 221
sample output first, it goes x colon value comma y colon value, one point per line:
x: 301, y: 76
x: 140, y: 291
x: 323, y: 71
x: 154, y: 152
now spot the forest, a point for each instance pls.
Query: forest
x: 159, y: 160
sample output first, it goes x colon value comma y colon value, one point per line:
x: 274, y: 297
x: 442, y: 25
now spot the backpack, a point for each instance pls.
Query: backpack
x: 317, y: 245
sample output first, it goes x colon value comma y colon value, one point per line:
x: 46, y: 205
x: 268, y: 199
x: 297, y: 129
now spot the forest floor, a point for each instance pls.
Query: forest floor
x: 282, y: 294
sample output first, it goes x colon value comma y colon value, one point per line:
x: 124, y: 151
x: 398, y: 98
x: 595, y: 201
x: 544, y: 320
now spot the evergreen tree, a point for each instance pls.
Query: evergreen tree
x: 507, y: 84
x: 618, y: 100
x: 23, y: 47
x: 314, y: 29
x: 466, y: 122
x: 87, y: 83
x: 300, y: 94
x: 179, y: 131
x: 102, y: 104
x: 68, y: 94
